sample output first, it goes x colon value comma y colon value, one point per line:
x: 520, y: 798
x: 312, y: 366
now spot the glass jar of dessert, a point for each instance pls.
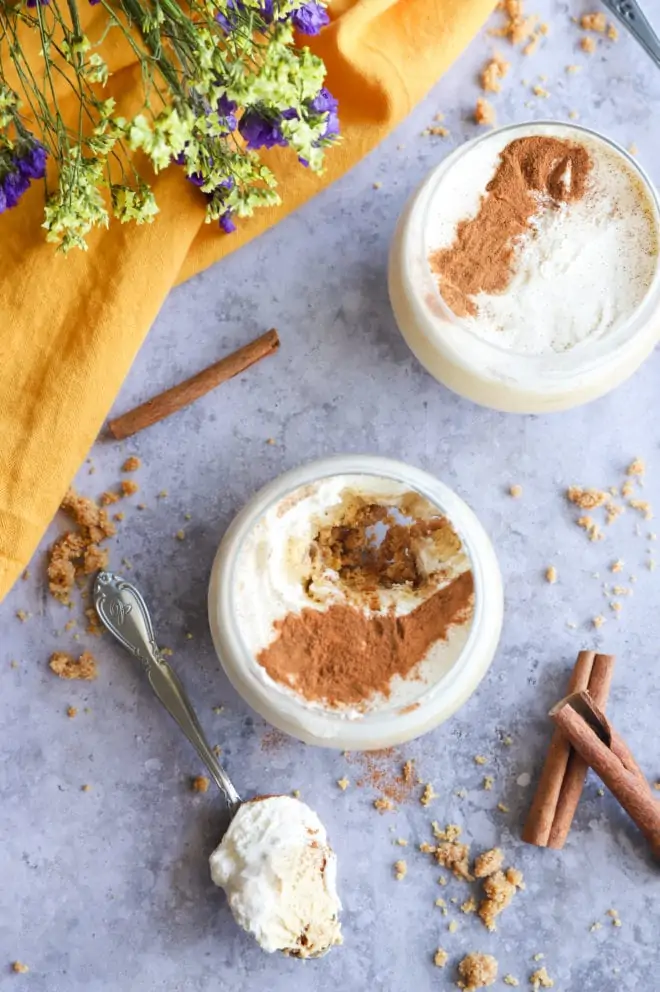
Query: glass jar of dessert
x: 524, y: 271
x: 355, y: 602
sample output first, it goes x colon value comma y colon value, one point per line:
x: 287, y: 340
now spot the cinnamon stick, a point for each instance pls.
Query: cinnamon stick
x: 599, y: 745
x: 192, y: 389
x: 544, y: 807
x: 575, y: 774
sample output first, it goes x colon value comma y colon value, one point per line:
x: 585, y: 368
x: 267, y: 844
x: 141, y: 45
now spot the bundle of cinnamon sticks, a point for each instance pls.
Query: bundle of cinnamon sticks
x: 583, y: 739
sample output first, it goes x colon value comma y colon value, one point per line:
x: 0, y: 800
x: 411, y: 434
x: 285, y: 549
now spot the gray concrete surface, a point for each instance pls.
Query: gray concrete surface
x: 109, y: 889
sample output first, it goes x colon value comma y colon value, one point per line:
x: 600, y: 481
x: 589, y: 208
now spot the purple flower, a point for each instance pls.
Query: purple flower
x: 226, y: 108
x: 310, y: 18
x: 325, y: 103
x: 32, y: 165
x: 93, y: 3
x: 260, y: 132
x: 3, y: 200
x: 228, y: 21
x: 196, y: 178
x: 13, y: 186
x: 34, y: 3
x: 226, y: 223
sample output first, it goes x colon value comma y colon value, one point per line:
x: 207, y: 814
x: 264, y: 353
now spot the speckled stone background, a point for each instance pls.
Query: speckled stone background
x: 109, y: 889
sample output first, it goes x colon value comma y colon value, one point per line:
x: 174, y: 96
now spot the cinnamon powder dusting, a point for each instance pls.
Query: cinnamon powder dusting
x: 533, y: 173
x: 344, y: 656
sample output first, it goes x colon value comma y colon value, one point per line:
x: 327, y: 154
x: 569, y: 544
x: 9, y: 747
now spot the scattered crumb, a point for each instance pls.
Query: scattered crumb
x: 637, y: 467
x: 85, y: 788
x: 163, y: 494
x: 402, y: 842
x: 612, y: 33
x: 296, y: 793
x: 516, y: 491
x: 484, y: 113
x: 107, y: 498
x: 616, y: 607
x: 538, y: 957
x: 499, y: 889
x: 383, y: 804
x: 376, y: 185
x: 440, y: 958
x: 118, y: 517
x: 517, y: 28
x: 477, y: 971
x: 180, y: 535
x: 643, y: 506
x: 503, y: 808
x: 453, y: 855
x: 443, y: 878
x: 551, y: 574
x: 488, y: 863
x: 540, y: 979
x: 428, y: 795
x: 588, y: 45
x: 22, y: 615
x: 540, y: 91
x: 461, y: 793
x: 438, y: 131
x: 167, y: 652
x: 13, y: 664
x: 510, y: 980
x: 427, y: 848
x: 132, y: 464
x: 598, y: 621
x: 66, y: 667
x: 633, y: 149
x: 71, y: 711
x: 573, y: 69
x: 400, y: 870
x: 616, y: 923
x: 480, y: 759
x: 19, y: 968
x: 600, y: 791
x: 453, y: 926
x: 594, y: 532
x: 488, y: 782
x: 26, y: 575
x: 574, y: 115
x: 613, y: 512
x: 129, y: 487
x: 595, y: 926
x: 586, y: 499
x: 94, y: 625
x: 616, y: 566
x: 469, y: 906
x: 200, y: 783
x: 594, y: 22
x: 493, y: 72
x: 441, y: 904
x: 507, y: 740
x: 614, y: 913
x: 343, y: 783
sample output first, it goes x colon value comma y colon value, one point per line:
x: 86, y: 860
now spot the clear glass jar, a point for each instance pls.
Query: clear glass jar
x: 480, y: 370
x: 390, y: 724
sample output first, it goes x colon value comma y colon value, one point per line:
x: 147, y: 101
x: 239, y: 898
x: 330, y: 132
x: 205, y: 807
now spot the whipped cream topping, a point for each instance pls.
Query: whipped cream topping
x: 277, y: 574
x: 280, y: 876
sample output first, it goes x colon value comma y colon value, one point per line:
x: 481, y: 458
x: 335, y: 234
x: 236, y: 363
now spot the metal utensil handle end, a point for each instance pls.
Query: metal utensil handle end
x: 124, y: 613
x: 631, y: 15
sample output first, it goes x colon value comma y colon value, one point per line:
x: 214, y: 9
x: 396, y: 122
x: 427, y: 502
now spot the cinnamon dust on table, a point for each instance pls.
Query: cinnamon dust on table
x: 344, y: 656
x: 386, y: 772
x: 533, y: 172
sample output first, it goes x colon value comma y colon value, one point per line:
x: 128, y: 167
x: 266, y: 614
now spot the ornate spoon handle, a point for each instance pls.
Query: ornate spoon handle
x: 124, y: 612
x: 632, y: 17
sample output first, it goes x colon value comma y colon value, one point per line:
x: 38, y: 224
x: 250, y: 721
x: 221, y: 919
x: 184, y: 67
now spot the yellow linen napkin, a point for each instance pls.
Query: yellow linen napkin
x: 71, y: 326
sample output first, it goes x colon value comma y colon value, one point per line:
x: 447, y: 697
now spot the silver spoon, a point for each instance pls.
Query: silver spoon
x: 631, y: 15
x: 124, y: 612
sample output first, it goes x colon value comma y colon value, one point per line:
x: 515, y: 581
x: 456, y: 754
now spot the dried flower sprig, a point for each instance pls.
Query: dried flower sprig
x: 221, y: 79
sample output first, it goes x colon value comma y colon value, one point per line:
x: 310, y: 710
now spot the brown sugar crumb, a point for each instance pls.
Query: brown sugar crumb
x: 594, y: 22
x: 66, y: 667
x: 628, y: 488
x: 382, y: 805
x: 129, y: 487
x: 586, y: 499
x: 132, y: 464
x: 19, y: 968
x: 598, y: 621
x: 612, y: 33
x: 438, y: 131
x: 427, y: 848
x: 594, y: 533
x: 516, y: 491
x: 612, y: 512
x: 480, y: 759
x: 92, y: 520
x: 200, y: 784
x: 643, y: 506
x: 22, y: 615
x: 500, y: 888
x: 107, y: 498
x: 441, y: 904
x: 408, y: 771
x: 616, y: 566
x: 540, y: 979
x: 343, y: 784
x: 455, y: 857
x: 94, y: 625
x: 402, y: 842
x: 540, y: 91
x: 469, y: 906
x: 400, y: 870
x: 94, y: 559
x: 517, y: 28
x: 637, y: 467
x: 484, y: 113
x: 588, y: 45
x: 71, y: 712
x: 440, y: 958
x: 551, y: 574
x: 510, y: 980
x: 488, y: 782
x: 428, y: 795
x: 493, y: 72
x: 118, y: 517
x: 488, y: 863
x: 65, y: 552
x: 477, y: 971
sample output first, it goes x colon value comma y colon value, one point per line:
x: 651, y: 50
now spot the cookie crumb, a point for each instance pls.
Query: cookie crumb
x: 572, y: 69
x: 376, y: 185
x: 516, y: 491
x: 503, y: 808
x: 295, y: 793
x: 637, y: 467
x: 586, y: 499
x: 428, y: 795
x: 540, y: 92
x: 65, y: 666
x: 469, y: 906
x: 643, y: 506
x: 510, y: 980
x: 85, y: 788
x: 551, y: 574
x: 480, y: 759
x: 588, y: 45
x: 595, y: 926
x: 484, y: 113
x: 19, y: 968
x: 633, y: 149
x: 493, y: 73
x: 129, y: 487
x: 540, y: 979
x: 427, y: 848
x: 453, y: 926
x: 613, y: 34
x: 71, y: 711
x: 499, y: 889
x: 180, y: 535
x: 594, y: 22
x: 382, y: 805
x: 132, y: 464
x: 477, y: 971
x: 616, y: 566
x: 400, y: 870
x: 200, y: 783
x: 343, y: 784
x: 440, y: 958
x: 598, y: 621
x: 488, y: 863
x: 488, y: 782
x: 402, y: 842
